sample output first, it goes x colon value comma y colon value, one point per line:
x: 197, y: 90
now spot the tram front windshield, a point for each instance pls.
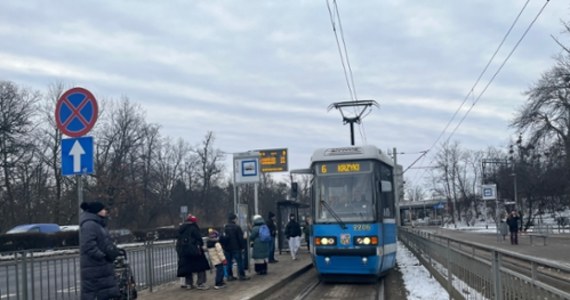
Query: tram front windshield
x: 349, y: 196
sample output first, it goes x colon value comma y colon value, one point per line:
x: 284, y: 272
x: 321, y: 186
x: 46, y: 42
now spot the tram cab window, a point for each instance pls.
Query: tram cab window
x: 349, y: 197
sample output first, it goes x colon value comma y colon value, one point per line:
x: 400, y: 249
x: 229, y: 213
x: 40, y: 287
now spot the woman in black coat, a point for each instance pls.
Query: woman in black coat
x: 97, y: 253
x: 191, y: 260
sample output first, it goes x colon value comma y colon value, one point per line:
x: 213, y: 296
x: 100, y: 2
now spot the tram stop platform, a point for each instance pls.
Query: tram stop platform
x: 258, y: 287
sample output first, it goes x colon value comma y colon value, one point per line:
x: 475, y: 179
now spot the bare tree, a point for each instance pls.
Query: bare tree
x: 415, y: 193
x: 169, y: 164
x: 545, y: 117
x: 17, y: 108
x: 119, y: 138
x: 211, y: 168
x: 446, y: 177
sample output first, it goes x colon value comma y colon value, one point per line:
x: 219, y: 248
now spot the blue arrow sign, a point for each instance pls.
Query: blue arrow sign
x: 77, y: 156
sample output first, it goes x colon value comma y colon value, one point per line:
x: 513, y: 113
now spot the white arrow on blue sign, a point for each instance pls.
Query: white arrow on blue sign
x: 77, y: 156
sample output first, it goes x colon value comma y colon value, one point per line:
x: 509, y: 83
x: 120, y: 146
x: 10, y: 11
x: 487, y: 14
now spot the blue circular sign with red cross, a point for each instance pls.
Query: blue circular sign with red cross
x: 76, y: 112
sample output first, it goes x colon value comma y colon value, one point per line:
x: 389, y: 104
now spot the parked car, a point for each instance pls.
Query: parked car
x: 30, y: 236
x: 38, y: 227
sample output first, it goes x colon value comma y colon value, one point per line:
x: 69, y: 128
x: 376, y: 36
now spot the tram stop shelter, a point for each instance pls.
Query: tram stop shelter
x: 284, y: 209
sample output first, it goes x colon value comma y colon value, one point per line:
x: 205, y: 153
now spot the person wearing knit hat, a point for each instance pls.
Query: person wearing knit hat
x: 191, y: 218
x: 191, y: 257
x: 217, y: 257
x: 260, y: 254
x: 94, y: 207
x: 97, y: 253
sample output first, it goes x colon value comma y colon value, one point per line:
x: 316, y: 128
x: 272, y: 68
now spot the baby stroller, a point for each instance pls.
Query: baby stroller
x: 124, y: 275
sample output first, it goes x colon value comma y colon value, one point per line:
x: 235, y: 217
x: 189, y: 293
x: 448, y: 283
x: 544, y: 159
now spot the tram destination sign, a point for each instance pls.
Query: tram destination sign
x: 273, y: 160
x: 343, y: 167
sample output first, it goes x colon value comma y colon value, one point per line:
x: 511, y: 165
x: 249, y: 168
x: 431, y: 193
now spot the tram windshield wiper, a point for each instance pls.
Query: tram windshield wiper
x: 333, y: 213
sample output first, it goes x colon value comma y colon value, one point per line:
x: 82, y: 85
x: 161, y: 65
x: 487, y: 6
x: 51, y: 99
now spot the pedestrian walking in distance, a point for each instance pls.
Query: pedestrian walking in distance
x: 293, y: 235
x: 97, y: 254
x: 513, y: 222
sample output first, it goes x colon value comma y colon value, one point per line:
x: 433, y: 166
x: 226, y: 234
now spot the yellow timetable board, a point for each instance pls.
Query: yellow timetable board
x: 273, y: 160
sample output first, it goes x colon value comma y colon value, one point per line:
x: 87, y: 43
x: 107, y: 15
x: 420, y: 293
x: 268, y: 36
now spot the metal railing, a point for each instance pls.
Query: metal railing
x: 37, y: 275
x: 475, y: 271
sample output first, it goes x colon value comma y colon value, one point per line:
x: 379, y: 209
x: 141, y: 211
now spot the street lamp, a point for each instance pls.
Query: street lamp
x: 514, y: 173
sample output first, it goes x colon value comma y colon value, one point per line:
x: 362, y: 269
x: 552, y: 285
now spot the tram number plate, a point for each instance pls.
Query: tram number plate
x: 361, y: 227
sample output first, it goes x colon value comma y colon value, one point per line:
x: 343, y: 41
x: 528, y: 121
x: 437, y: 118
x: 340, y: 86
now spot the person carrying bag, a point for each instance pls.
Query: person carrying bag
x: 191, y: 257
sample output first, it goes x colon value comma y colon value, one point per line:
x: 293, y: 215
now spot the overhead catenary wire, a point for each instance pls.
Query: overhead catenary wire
x: 496, y: 72
x: 472, y: 90
x: 345, y: 61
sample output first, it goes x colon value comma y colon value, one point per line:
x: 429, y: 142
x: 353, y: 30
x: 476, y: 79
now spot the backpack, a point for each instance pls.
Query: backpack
x: 264, y: 234
x: 185, y: 246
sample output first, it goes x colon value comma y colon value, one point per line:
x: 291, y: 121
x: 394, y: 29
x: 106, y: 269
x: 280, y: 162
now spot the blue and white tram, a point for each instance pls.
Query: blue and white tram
x: 353, y: 211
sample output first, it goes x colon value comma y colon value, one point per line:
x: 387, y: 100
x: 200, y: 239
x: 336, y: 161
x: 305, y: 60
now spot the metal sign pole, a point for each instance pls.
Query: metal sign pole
x: 255, y: 199
x: 79, y: 201
x: 235, y: 190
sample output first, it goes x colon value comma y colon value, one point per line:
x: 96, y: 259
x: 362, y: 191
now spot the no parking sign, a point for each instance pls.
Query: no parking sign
x: 76, y: 112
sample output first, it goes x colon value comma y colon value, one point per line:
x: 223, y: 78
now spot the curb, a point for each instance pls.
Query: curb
x: 270, y: 290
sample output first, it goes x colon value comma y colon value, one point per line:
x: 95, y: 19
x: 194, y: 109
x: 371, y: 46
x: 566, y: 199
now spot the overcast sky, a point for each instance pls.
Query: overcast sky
x: 261, y: 74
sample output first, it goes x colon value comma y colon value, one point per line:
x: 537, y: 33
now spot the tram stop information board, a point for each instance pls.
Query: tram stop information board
x: 273, y: 160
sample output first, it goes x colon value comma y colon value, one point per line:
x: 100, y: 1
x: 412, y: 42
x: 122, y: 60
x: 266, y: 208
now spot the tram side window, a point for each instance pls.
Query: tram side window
x: 387, y: 192
x: 387, y: 195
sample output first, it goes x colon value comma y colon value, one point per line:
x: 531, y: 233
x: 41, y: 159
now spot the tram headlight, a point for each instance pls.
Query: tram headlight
x: 366, y: 241
x: 325, y: 241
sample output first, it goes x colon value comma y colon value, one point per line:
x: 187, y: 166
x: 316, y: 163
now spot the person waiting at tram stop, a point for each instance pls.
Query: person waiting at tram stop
x: 234, y: 245
x: 271, y: 223
x: 307, y: 231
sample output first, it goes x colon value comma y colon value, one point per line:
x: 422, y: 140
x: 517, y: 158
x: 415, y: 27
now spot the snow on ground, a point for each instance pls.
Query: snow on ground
x: 419, y: 284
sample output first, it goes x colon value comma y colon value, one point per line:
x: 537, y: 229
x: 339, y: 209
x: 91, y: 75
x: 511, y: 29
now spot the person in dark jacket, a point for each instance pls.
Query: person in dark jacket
x: 273, y: 230
x: 260, y: 248
x: 293, y: 234
x: 97, y: 254
x: 234, y: 243
x: 513, y: 222
x: 195, y: 261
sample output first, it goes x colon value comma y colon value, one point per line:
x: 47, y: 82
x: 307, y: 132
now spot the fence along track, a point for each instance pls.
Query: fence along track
x: 480, y: 272
x: 29, y: 276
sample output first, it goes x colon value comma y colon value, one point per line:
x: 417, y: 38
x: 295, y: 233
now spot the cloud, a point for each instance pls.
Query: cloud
x: 262, y: 74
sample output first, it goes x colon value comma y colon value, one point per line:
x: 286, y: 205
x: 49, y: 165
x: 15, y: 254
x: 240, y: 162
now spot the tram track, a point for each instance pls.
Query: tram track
x: 308, y: 286
x: 341, y: 291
